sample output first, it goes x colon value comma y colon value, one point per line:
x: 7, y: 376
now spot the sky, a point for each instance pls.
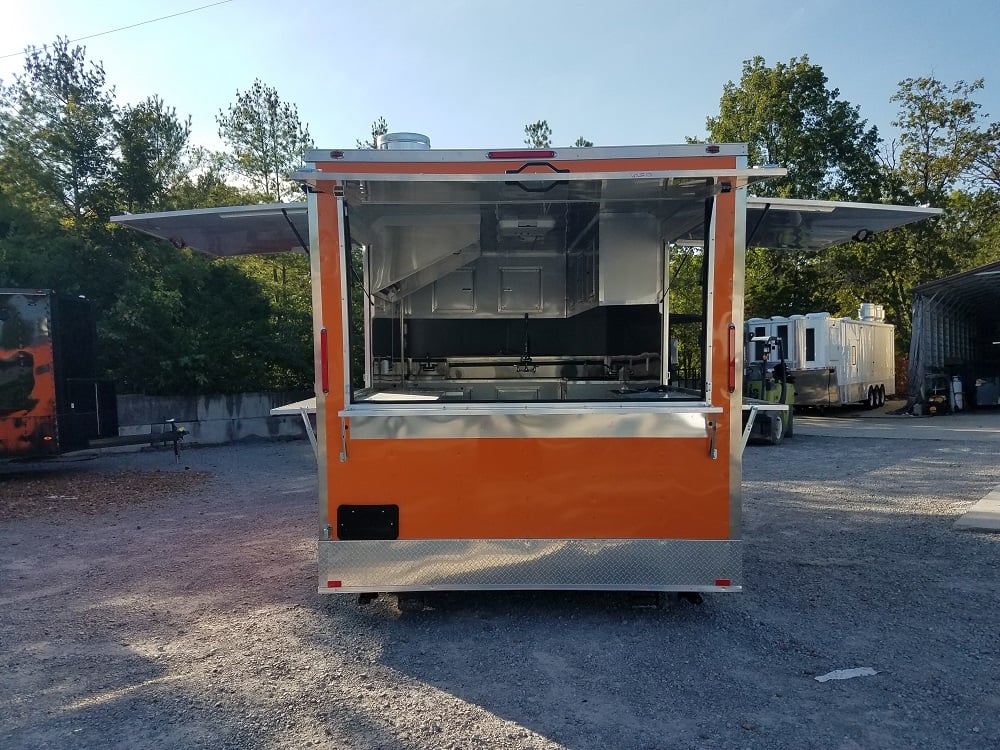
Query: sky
x: 473, y: 73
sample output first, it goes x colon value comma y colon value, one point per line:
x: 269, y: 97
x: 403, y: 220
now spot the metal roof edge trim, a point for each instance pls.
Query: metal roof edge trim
x: 757, y: 200
x: 930, y: 286
x: 262, y: 209
x: 307, y: 175
x: 568, y: 152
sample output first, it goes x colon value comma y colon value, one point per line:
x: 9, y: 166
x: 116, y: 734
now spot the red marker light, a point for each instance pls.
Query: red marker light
x: 522, y: 154
x: 324, y: 361
x: 336, y: 154
x: 712, y: 149
x: 334, y: 584
x: 723, y: 582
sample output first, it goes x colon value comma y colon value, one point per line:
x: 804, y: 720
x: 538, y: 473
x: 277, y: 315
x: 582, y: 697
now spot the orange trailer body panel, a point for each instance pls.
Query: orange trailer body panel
x: 579, y: 488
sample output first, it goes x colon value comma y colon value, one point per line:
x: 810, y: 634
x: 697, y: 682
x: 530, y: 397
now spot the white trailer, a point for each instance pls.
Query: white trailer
x: 836, y: 361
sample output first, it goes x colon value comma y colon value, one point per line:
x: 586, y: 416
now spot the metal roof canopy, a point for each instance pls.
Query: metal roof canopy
x: 956, y: 328
x: 771, y: 222
x: 976, y: 292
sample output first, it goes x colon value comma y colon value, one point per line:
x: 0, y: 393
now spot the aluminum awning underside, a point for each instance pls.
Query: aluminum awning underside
x: 818, y: 225
x: 771, y: 222
x: 231, y: 230
x: 813, y: 225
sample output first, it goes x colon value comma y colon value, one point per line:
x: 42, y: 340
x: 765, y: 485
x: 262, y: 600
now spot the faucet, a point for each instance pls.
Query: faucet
x: 525, y: 364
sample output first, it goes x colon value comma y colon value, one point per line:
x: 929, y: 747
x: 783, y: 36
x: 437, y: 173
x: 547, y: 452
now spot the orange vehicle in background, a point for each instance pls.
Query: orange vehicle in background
x: 50, y: 400
x: 529, y: 362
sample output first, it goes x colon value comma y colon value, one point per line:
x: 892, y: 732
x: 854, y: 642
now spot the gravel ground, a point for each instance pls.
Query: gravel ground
x: 190, y: 620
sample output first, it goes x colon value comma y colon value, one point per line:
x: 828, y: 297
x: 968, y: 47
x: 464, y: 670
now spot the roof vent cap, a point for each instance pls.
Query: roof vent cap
x: 403, y: 142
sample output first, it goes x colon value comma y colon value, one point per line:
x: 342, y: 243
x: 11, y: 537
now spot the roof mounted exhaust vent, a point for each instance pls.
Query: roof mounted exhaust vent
x: 403, y: 142
x: 871, y: 313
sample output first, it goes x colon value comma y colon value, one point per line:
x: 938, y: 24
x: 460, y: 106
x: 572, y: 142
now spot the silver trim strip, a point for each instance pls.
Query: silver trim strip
x: 345, y: 291
x: 389, y: 409
x: 473, y: 564
x: 528, y: 425
x: 316, y: 274
x: 712, y: 258
x: 434, y: 155
x: 735, y: 415
x: 751, y: 175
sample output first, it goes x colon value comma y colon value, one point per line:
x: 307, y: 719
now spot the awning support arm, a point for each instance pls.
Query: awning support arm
x: 753, y: 233
x: 298, y: 236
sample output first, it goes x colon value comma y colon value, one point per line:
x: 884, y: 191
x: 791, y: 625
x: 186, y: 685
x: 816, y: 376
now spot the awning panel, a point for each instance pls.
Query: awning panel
x: 233, y: 230
x: 817, y: 225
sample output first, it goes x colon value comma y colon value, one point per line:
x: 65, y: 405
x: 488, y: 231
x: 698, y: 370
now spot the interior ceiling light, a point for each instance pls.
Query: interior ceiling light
x: 526, y: 228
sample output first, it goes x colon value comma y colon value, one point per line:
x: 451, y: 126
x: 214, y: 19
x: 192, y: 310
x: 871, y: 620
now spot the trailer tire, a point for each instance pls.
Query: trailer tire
x: 872, y: 399
x: 776, y: 430
x: 790, y: 427
x: 881, y: 396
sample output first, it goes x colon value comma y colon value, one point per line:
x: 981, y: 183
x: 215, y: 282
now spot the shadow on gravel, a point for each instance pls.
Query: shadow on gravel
x: 576, y: 668
x: 82, y: 687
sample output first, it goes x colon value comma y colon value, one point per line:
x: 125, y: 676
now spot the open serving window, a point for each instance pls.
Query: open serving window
x: 528, y: 288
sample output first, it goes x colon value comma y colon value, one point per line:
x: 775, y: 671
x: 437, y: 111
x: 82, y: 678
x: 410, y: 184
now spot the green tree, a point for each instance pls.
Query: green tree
x: 379, y: 128
x: 985, y: 170
x: 538, y: 135
x: 152, y: 142
x: 787, y: 115
x: 941, y: 138
x: 203, y: 184
x: 582, y: 142
x: 266, y: 139
x: 56, y: 134
x: 169, y: 320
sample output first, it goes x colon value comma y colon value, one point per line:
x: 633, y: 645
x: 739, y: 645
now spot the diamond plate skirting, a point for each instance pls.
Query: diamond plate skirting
x: 471, y: 564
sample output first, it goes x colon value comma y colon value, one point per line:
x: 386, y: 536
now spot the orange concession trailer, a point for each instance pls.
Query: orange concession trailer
x: 528, y: 361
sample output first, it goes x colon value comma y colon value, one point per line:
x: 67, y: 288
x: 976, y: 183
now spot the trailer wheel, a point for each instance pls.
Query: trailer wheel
x: 776, y: 431
x: 790, y: 427
x: 872, y: 398
x: 881, y: 396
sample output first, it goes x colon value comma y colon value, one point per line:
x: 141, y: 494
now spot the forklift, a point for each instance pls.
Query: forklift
x: 764, y: 384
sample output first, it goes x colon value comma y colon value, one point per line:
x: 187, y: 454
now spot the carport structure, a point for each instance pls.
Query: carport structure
x: 956, y: 332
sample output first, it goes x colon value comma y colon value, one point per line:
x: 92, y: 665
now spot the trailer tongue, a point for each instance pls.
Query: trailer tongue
x: 515, y: 416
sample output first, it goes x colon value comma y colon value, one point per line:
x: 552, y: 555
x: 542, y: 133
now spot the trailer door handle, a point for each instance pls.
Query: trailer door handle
x: 732, y: 357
